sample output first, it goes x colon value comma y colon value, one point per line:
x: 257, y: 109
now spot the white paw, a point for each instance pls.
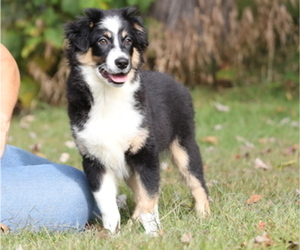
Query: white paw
x: 150, y: 222
x: 111, y: 221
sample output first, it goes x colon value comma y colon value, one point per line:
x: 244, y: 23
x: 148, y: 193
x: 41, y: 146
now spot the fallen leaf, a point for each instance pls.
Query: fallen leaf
x: 293, y: 245
x: 280, y: 109
x: 244, y: 244
x: 261, y: 226
x: 70, y: 144
x: 35, y: 149
x: 210, y: 149
x: 218, y: 127
x: 259, y: 164
x: 267, y: 140
x: 294, y: 124
x: 186, y: 238
x: 19, y: 247
x: 243, y: 140
x: 263, y: 239
x: 291, y: 150
x: 211, y: 140
x: 237, y: 156
x: 266, y: 151
x: 64, y: 157
x: 222, y: 108
x: 284, y: 121
x: 26, y: 120
x: 254, y: 199
x: 32, y: 135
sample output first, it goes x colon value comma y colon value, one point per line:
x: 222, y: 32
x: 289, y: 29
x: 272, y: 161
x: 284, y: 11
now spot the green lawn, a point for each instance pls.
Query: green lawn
x: 261, y: 123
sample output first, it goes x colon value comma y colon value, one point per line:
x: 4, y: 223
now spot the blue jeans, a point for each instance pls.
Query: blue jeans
x: 37, y: 193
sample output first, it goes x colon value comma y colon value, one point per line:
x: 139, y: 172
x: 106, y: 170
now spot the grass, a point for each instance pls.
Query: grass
x: 261, y: 123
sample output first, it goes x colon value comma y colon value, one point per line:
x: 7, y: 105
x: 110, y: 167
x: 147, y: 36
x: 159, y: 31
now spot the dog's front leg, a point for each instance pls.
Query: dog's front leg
x: 144, y: 182
x: 104, y: 188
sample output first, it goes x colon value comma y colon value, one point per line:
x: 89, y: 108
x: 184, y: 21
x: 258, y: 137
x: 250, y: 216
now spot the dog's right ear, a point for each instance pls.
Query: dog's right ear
x: 78, y: 33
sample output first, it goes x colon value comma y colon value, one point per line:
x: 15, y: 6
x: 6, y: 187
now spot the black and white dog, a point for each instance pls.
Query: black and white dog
x: 122, y: 117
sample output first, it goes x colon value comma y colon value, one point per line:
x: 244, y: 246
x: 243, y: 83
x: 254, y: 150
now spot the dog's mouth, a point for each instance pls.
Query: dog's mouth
x: 114, y: 78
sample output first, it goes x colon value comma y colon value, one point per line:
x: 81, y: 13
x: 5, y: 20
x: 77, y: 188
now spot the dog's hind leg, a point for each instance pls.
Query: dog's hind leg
x: 144, y: 183
x: 187, y: 157
x: 104, y: 188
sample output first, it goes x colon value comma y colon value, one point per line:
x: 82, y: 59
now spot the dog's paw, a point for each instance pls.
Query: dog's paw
x: 203, y: 208
x: 151, y: 223
x: 112, y: 222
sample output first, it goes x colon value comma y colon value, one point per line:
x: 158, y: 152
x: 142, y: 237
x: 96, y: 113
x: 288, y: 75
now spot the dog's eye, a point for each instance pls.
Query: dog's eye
x: 103, y: 41
x: 127, y: 41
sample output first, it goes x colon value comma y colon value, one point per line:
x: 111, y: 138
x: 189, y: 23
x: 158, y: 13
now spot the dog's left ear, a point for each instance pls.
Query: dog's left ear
x: 140, y: 31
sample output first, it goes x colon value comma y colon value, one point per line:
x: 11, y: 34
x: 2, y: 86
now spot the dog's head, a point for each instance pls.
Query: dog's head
x: 111, y: 41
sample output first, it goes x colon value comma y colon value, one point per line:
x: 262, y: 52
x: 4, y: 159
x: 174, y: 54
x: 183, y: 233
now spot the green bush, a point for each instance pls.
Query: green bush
x: 33, y: 32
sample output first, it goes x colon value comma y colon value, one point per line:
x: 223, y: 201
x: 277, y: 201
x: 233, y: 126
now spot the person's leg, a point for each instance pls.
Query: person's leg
x: 51, y: 196
x: 14, y: 157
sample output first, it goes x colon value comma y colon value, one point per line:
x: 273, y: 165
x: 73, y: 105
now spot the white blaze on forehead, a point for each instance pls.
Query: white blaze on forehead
x: 112, y: 23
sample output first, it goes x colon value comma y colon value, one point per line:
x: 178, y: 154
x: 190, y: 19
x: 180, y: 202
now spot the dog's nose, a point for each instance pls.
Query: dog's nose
x: 121, y: 62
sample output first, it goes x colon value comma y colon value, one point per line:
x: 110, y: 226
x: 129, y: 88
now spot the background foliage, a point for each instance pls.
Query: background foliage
x: 261, y: 43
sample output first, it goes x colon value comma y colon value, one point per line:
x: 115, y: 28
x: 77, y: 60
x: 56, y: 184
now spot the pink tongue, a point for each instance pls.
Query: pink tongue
x: 118, y: 78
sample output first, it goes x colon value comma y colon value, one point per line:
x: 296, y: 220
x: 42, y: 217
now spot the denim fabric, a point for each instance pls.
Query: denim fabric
x: 36, y: 194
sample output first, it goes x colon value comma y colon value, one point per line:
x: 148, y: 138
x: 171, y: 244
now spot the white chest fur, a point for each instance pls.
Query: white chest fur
x: 113, y: 125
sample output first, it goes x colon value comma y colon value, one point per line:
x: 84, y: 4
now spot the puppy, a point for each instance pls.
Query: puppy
x: 122, y: 117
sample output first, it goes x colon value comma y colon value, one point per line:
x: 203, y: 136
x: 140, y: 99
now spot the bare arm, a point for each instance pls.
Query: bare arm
x: 9, y: 89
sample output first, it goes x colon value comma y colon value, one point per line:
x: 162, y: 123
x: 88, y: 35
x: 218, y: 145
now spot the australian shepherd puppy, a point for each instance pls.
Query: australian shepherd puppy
x: 122, y: 118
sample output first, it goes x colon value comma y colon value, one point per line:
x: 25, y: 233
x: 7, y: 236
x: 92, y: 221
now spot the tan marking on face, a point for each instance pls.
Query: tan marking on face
x: 87, y: 58
x: 181, y: 159
x: 107, y: 34
x: 135, y: 59
x: 139, y: 141
x: 144, y: 202
x: 91, y: 25
x: 124, y: 34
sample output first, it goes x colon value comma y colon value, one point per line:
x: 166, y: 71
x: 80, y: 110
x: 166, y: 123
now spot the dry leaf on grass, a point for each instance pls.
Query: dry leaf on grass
x: 221, y: 107
x: 64, y: 157
x: 35, y: 149
x: 26, y: 121
x: 254, y: 199
x: 259, y: 164
x: 186, y: 238
x: 263, y: 239
x: 243, y: 140
x: 261, y: 226
x: 70, y: 144
x: 211, y: 139
x: 291, y: 150
x: 218, y: 127
x: 19, y: 247
x: 267, y: 140
x: 293, y: 245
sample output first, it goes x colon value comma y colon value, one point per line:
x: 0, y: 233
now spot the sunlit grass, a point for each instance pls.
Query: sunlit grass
x: 260, y: 124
